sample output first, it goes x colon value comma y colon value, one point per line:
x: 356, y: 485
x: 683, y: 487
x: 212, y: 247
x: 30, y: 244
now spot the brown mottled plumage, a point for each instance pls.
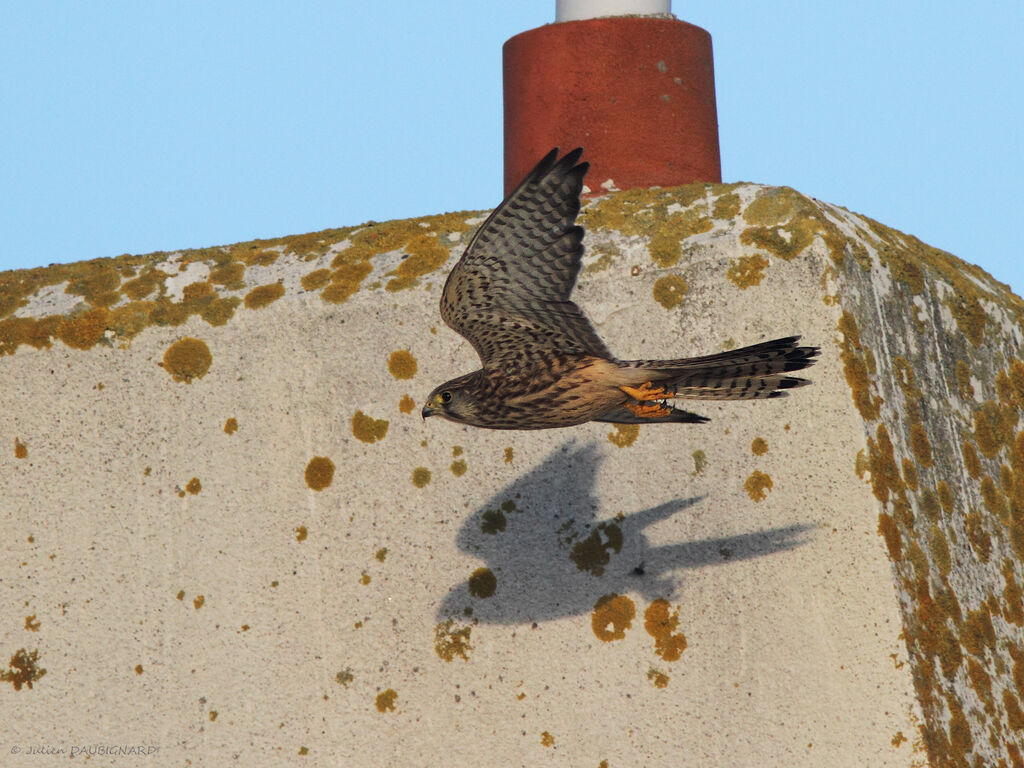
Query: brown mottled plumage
x: 543, y: 363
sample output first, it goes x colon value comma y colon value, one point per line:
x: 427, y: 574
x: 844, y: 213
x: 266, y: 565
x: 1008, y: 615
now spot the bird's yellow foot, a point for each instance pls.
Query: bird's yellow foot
x: 649, y: 410
x: 647, y: 392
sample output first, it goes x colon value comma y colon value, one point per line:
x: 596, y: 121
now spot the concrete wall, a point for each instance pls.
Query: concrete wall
x: 228, y: 535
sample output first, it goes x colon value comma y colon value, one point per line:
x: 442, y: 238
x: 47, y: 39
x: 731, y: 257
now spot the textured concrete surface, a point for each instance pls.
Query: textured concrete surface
x: 229, y: 537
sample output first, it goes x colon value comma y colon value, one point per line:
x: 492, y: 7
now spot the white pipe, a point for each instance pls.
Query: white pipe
x: 574, y: 10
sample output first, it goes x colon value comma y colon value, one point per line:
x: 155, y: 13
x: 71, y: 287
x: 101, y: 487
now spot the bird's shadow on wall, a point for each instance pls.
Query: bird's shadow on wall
x: 552, y: 555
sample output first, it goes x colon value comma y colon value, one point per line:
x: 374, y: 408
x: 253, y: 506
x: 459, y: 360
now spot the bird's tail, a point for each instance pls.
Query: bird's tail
x: 747, y: 373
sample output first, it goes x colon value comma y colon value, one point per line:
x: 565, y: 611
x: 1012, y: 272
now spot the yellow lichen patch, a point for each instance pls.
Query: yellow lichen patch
x: 898, y: 739
x: 661, y: 623
x: 450, y: 641
x: 319, y: 473
x: 1013, y: 608
x: 638, y: 211
x: 301, y: 533
x: 187, y: 359
x: 385, y: 701
x: 759, y: 447
x: 426, y: 254
x: 612, y: 615
x: 198, y: 602
x: 315, y: 280
x: 138, y: 669
x: 23, y: 669
x: 231, y: 426
x: 659, y: 679
x: 229, y: 274
x: 855, y: 365
x: 482, y: 583
x: 945, y: 496
x: 194, y: 486
x: 920, y: 444
x: 593, y: 553
x: 96, y: 281
x: 213, y: 715
x: 978, y: 537
x: 401, y: 364
x: 758, y: 485
x: 345, y: 281
x: 20, y: 449
x: 508, y: 455
x: 406, y: 404
x: 547, y: 740
x: 606, y: 253
x: 939, y: 548
x: 971, y: 462
x: 32, y: 624
x: 993, y: 427
x: 969, y: 315
x: 700, y: 461
x: 747, y: 271
x: 262, y: 295
x: 726, y: 206
x: 365, y: 579
x: 666, y: 241
x: 456, y: 451
x: 909, y: 473
x: 344, y: 677
x: 381, y: 554
x: 458, y: 468
x: 963, y: 380
x: 624, y: 435
x: 670, y: 290
x: 492, y: 521
x: 368, y: 429
x: 420, y: 477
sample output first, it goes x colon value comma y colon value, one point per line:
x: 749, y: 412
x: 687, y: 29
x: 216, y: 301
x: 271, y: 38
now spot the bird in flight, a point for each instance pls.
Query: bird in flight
x: 543, y: 364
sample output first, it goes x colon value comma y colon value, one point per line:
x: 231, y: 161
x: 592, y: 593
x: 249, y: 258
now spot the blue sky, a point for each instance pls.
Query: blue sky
x: 135, y: 127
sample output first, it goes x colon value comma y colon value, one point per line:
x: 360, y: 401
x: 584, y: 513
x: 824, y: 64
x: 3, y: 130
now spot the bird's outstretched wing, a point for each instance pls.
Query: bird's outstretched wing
x: 509, y: 293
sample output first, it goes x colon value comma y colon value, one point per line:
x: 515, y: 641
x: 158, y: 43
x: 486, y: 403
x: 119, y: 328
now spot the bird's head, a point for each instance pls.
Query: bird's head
x: 454, y: 400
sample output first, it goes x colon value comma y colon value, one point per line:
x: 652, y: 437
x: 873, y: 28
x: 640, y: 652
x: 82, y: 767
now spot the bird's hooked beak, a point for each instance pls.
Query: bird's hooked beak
x: 427, y: 411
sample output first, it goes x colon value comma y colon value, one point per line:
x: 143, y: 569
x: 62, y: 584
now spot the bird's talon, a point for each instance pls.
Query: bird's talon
x: 646, y: 391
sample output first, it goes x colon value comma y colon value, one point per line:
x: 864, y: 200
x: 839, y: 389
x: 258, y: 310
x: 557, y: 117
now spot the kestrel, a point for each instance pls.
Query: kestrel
x: 543, y: 363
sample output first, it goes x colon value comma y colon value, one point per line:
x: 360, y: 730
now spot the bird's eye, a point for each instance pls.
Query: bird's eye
x: 446, y: 397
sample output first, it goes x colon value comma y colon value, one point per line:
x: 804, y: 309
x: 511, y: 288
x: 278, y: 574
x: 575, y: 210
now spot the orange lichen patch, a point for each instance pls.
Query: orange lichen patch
x: 365, y: 579
x: 345, y: 281
x: 138, y: 669
x: 492, y: 521
x: 20, y: 449
x: 425, y: 254
x: 920, y: 445
x: 659, y: 679
x: 670, y: 290
x: 194, y: 486
x: 32, y: 624
x: 929, y: 504
x: 22, y: 669
x: 1014, y: 713
x: 857, y: 369
x: 898, y: 739
x: 1013, y: 609
x: 747, y: 271
x: 612, y: 615
x: 969, y: 315
x: 891, y: 533
x: 450, y: 642
x: 971, y: 462
x: 231, y: 426
x: 508, y: 455
x: 993, y: 427
x: 759, y: 447
x: 978, y: 633
x: 624, y: 435
x: 758, y: 485
x: 262, y: 295
x: 939, y: 549
x: 315, y: 280
x: 319, y: 473
x: 198, y: 602
x: 547, y: 740
x: 945, y: 496
x: 15, y: 331
x: 301, y: 533
x: 885, y: 477
x: 981, y: 683
x: 661, y: 623
x: 368, y: 429
x: 213, y: 716
x: 401, y: 364
x: 96, y: 281
x: 180, y: 595
x: 482, y: 583
x: 385, y: 701
x: 963, y: 380
x: 381, y: 554
x: 458, y: 468
x: 83, y: 329
x: 593, y: 553
x: 406, y: 404
x: 910, y: 474
x: 978, y: 537
x: 187, y: 359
